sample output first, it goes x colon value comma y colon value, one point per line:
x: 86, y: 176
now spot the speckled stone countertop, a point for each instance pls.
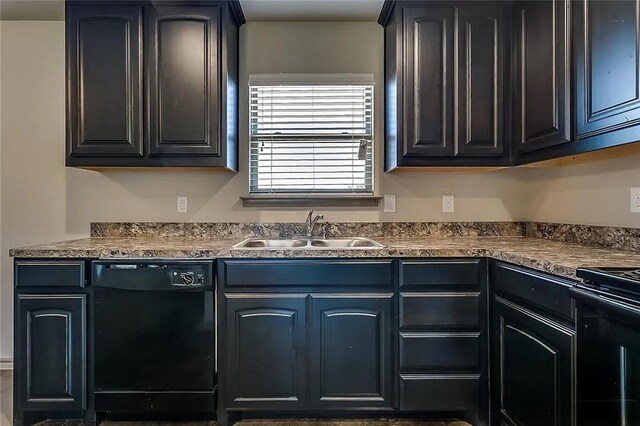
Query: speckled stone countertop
x: 558, y: 258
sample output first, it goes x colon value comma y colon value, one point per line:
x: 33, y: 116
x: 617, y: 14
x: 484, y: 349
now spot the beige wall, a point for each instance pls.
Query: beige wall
x: 3, y: 300
x: 44, y: 201
x: 591, y: 194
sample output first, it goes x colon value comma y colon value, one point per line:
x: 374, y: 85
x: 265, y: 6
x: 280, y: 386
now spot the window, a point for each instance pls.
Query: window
x: 311, y: 137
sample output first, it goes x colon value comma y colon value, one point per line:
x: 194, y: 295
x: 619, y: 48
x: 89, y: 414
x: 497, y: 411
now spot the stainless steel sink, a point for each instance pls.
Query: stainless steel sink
x: 346, y: 243
x: 253, y: 243
x: 308, y: 244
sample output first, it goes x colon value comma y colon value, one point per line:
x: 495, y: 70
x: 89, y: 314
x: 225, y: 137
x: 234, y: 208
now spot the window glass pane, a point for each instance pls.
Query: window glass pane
x: 311, y: 138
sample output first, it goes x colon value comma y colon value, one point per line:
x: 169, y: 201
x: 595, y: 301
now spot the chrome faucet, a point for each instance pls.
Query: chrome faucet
x: 311, y: 223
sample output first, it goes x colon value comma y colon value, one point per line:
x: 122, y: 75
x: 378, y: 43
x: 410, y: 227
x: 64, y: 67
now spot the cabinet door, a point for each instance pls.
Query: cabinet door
x: 542, y: 70
x: 183, y: 69
x: 481, y: 55
x: 104, y: 80
x: 607, y: 66
x: 428, y: 86
x: 351, y: 351
x: 265, y: 345
x: 534, y: 367
x: 50, y: 370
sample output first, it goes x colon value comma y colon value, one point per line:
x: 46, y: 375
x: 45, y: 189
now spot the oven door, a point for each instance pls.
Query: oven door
x: 608, y: 361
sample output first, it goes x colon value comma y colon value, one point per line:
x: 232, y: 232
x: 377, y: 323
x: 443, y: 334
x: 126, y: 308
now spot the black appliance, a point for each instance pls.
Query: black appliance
x: 608, y: 348
x: 154, y: 344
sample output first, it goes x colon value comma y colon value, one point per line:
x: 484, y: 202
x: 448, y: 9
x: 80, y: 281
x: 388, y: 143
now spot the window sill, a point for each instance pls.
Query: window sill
x: 310, y: 201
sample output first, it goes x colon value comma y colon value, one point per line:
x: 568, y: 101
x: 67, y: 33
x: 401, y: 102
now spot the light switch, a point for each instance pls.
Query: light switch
x: 389, y: 203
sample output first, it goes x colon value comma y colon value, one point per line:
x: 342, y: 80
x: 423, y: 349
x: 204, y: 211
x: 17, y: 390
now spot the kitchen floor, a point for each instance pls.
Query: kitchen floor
x: 6, y: 416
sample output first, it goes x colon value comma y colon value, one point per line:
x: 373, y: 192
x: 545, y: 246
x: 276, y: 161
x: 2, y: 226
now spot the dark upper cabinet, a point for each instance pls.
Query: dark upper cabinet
x: 189, y: 88
x: 444, y: 83
x: 577, y: 77
x: 534, y: 367
x: 183, y: 75
x: 607, y: 65
x: 541, y: 74
x: 481, y: 79
x: 104, y: 80
x: 351, y: 351
x: 265, y: 360
x: 50, y: 362
x: 428, y: 81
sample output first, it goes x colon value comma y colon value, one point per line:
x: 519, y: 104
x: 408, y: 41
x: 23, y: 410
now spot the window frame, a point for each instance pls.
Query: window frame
x: 364, y: 197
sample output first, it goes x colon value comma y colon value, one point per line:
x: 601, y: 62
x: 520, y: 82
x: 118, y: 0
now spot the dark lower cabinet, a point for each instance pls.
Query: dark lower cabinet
x: 307, y: 335
x: 440, y: 392
x: 534, y: 371
x: 265, y: 342
x: 342, y: 357
x: 50, y: 352
x: 351, y: 351
x: 444, y: 310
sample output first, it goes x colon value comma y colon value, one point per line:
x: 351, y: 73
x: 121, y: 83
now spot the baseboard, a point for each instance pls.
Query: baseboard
x: 6, y: 364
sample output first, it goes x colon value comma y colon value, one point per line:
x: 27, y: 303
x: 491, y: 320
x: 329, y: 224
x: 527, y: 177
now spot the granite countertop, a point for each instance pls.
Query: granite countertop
x: 555, y: 257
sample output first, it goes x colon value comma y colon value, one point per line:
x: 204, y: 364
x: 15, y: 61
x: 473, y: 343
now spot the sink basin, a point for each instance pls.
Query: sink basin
x: 253, y: 243
x: 308, y: 244
x: 346, y: 243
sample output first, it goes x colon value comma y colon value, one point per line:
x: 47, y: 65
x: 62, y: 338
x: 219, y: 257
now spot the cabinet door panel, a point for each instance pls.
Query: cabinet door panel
x: 439, y: 392
x: 183, y: 75
x: 265, y: 347
x: 542, y: 110
x: 534, y: 368
x: 428, y: 92
x: 50, y: 354
x: 429, y: 273
x: 104, y: 80
x: 440, y: 310
x: 421, y: 351
x: 49, y: 273
x: 351, y: 351
x: 480, y: 79
x: 607, y: 65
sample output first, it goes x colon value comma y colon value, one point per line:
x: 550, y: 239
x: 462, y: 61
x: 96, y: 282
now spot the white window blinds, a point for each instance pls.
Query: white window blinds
x: 311, y: 138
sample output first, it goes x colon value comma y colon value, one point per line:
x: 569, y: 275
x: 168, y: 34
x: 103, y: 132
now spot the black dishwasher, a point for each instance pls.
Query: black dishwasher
x: 154, y: 328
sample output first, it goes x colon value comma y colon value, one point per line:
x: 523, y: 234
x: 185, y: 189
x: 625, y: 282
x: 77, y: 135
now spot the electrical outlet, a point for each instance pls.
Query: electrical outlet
x: 182, y: 204
x: 448, y: 204
x: 389, y: 203
x: 635, y: 200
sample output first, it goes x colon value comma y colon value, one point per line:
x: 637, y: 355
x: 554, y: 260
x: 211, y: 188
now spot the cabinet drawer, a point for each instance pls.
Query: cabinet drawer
x: 439, y: 309
x: 301, y: 273
x: 433, y: 350
x: 538, y: 289
x: 440, y: 273
x: 49, y: 273
x: 439, y: 392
